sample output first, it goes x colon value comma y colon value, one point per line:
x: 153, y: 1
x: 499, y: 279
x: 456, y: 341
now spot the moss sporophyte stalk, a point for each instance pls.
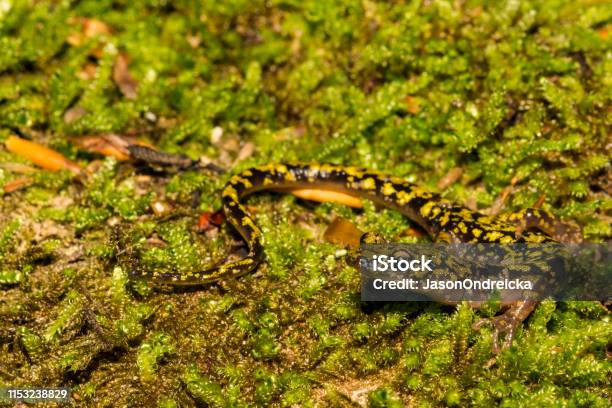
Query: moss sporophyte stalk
x: 494, y: 107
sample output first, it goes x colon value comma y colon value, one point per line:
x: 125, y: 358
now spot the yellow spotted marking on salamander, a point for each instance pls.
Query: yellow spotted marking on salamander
x: 248, y: 222
x: 427, y: 208
x: 403, y: 197
x: 351, y: 171
x: 494, y: 236
x: 442, y: 220
x: 290, y: 177
x: 241, y: 180
x: 230, y: 192
x: 388, y: 189
x: 368, y: 184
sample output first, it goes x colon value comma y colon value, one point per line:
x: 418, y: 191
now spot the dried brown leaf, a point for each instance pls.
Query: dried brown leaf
x: 74, y: 113
x: 344, y: 233
x: 122, y: 77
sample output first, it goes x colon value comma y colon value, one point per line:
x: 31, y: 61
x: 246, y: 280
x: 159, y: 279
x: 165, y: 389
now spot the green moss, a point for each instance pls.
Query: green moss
x: 69, y: 312
x: 204, y: 390
x: 7, y: 237
x: 382, y: 398
x: 31, y: 342
x: 150, y: 353
x: 512, y: 93
x: 183, y: 186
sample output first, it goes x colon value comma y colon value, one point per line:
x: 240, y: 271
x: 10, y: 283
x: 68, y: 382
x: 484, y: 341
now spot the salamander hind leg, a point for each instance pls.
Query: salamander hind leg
x: 507, y: 323
x: 542, y: 220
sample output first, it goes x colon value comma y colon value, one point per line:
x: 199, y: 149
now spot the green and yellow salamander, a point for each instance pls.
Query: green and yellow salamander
x: 441, y: 219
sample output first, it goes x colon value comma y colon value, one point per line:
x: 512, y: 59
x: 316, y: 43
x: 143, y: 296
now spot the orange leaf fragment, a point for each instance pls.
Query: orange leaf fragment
x: 412, y: 232
x: 540, y: 202
x: 344, y: 233
x: 413, y: 105
x: 43, y: 156
x: 209, y: 220
x: 17, y: 184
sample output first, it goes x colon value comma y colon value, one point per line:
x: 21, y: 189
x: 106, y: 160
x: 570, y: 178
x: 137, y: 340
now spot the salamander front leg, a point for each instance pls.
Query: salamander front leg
x: 534, y: 218
x: 507, y: 322
x: 367, y: 238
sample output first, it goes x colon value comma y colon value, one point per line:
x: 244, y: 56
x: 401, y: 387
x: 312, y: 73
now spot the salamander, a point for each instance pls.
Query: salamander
x: 441, y: 219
